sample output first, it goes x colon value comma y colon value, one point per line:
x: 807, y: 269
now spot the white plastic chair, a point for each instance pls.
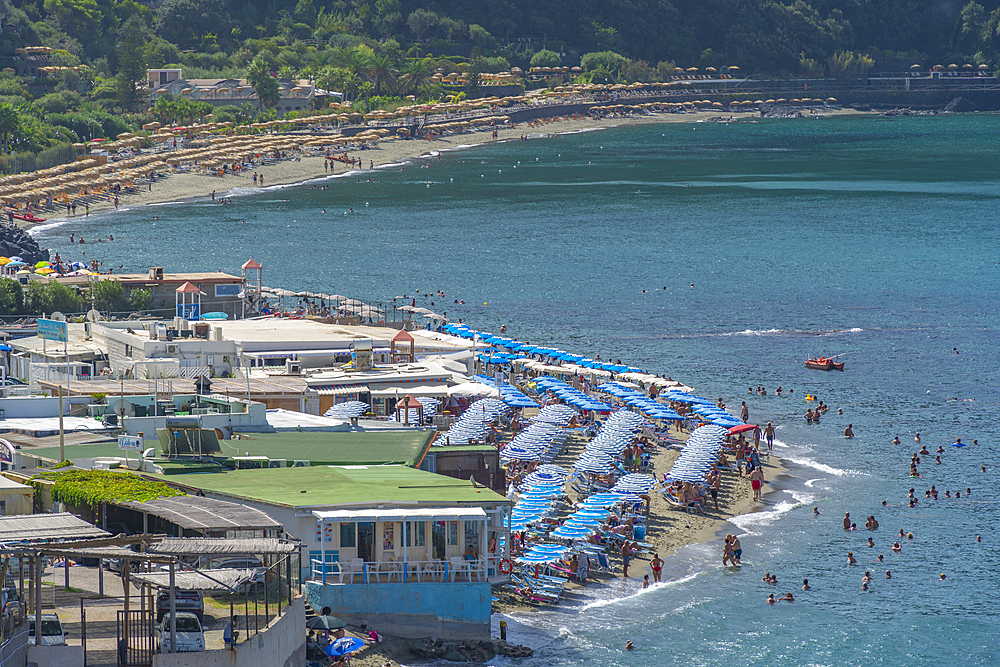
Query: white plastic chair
x: 458, y: 565
x: 349, y: 569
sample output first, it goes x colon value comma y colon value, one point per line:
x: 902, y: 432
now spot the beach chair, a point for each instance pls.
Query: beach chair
x: 603, y: 564
x: 537, y: 596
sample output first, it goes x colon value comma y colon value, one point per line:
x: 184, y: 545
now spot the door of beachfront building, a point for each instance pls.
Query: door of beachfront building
x: 366, y: 541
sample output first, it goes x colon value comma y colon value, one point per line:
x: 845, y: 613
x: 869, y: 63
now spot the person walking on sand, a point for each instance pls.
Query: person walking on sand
x: 756, y: 481
x: 769, y: 435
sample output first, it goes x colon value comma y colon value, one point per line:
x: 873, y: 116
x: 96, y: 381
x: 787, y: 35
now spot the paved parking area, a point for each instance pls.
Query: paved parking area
x: 101, y: 612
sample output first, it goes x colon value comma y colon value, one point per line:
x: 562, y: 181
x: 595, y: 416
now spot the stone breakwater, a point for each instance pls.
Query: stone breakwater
x: 15, y: 242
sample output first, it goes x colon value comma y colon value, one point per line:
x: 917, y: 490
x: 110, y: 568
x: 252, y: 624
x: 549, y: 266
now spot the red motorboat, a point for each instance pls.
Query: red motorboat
x: 825, y: 364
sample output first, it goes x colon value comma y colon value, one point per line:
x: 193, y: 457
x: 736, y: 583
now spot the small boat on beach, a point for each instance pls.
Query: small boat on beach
x: 27, y: 217
x: 825, y: 363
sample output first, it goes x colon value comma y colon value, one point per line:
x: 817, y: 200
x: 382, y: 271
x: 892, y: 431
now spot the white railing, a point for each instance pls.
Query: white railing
x: 410, y: 571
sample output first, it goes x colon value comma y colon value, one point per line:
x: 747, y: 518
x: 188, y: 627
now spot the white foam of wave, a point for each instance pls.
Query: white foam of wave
x: 753, y: 332
x: 175, y: 202
x: 596, y: 604
x: 780, y: 443
x: 809, y: 482
x: 810, y: 463
x: 756, y: 520
x: 582, y: 130
x: 48, y: 225
x: 801, y: 497
x: 459, y: 147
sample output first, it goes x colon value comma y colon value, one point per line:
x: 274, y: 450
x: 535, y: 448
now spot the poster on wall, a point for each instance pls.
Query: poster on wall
x: 324, y: 533
x: 388, y: 544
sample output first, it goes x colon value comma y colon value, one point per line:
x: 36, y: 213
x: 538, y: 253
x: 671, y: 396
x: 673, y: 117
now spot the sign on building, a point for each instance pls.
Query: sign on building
x: 52, y: 330
x: 131, y: 443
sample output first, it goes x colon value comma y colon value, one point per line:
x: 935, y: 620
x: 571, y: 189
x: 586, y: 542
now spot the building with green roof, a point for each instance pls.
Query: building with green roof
x: 386, y: 543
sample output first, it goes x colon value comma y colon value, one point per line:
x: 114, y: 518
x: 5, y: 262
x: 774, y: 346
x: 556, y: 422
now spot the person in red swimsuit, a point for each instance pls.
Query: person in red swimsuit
x: 657, y: 566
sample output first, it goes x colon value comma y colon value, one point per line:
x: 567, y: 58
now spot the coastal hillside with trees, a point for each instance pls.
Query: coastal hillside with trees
x: 377, y: 53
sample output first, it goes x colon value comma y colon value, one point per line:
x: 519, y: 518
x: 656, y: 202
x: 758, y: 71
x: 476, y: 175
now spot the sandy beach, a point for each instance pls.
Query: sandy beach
x: 668, y: 528
x: 185, y: 185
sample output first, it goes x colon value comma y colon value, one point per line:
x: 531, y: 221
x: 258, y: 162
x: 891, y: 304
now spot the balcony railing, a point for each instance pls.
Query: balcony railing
x: 455, y: 569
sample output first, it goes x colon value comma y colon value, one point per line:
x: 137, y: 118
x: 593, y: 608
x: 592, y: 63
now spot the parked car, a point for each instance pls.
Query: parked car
x: 52, y: 630
x: 187, y: 601
x: 237, y: 563
x: 243, y: 563
x: 190, y: 634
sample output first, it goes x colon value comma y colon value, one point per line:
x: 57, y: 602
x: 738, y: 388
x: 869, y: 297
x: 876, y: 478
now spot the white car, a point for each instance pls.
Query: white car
x: 52, y: 630
x: 190, y: 635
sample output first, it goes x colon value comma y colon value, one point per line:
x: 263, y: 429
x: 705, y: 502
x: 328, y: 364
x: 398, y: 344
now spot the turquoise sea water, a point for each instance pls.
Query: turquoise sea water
x: 871, y: 237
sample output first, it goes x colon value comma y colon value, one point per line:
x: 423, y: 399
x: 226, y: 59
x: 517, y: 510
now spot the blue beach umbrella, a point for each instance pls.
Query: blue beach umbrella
x: 344, y: 645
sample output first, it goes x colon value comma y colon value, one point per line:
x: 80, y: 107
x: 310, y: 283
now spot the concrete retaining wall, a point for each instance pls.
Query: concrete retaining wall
x: 55, y: 656
x: 457, y: 611
x: 282, y: 644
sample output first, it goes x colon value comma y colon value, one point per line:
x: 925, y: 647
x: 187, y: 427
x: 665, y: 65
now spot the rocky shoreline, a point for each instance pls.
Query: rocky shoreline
x: 16, y: 242
x: 399, y: 651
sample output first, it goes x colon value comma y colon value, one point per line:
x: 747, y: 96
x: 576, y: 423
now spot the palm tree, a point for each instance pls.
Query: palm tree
x: 354, y: 60
x: 350, y: 83
x: 265, y: 85
x: 416, y: 75
x: 165, y: 110
x: 382, y: 74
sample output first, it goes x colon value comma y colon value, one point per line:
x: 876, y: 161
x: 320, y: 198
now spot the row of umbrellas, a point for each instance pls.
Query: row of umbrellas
x: 509, y: 393
x: 537, y: 442
x: 698, y: 455
x: 430, y: 407
x: 347, y: 410
x: 474, y: 424
x: 636, y: 399
x: 571, y: 395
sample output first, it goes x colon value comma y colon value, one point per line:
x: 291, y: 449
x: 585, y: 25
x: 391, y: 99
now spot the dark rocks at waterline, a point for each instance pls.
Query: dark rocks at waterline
x: 478, y: 652
x: 908, y: 112
x: 778, y: 111
x: 959, y: 105
x: 15, y: 242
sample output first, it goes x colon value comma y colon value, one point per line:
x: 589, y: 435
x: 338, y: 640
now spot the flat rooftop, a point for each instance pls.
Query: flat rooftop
x: 326, y: 486
x: 307, y: 333
x: 237, y: 388
x: 168, y: 278
x: 319, y: 448
x: 331, y: 448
